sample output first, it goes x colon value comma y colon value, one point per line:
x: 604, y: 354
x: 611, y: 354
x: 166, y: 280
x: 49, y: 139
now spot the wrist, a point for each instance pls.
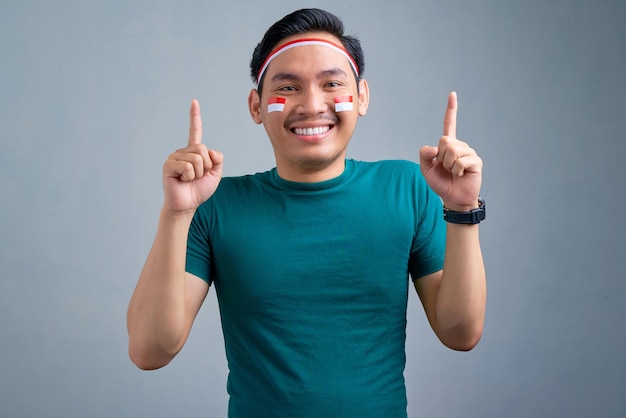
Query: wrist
x: 177, y: 217
x: 460, y: 208
x: 466, y: 215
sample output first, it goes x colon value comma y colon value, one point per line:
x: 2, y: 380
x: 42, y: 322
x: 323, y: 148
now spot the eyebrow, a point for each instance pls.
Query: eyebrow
x: 322, y: 74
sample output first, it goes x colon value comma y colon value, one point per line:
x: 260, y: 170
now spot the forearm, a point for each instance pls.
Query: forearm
x: 156, y: 313
x: 462, y: 292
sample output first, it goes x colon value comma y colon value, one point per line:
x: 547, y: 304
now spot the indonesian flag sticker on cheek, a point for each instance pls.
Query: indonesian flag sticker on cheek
x: 343, y: 103
x: 275, y: 104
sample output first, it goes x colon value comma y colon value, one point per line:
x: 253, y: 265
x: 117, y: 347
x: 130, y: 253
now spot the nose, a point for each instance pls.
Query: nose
x: 314, y: 102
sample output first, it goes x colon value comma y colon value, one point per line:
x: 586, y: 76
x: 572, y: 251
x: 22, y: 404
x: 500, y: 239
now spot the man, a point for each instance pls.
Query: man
x: 311, y: 259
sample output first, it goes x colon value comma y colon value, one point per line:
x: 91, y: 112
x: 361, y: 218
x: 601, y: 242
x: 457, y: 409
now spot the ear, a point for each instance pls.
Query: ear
x: 254, y: 106
x: 364, y: 97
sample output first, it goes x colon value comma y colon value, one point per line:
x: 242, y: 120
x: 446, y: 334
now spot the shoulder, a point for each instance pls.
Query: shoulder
x: 236, y: 190
x: 241, y: 183
x: 401, y: 180
x: 387, y: 165
x: 389, y: 170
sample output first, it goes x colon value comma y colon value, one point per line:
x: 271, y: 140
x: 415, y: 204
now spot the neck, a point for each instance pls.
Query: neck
x: 311, y: 173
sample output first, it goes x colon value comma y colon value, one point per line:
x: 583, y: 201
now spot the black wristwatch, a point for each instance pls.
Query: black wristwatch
x: 471, y: 217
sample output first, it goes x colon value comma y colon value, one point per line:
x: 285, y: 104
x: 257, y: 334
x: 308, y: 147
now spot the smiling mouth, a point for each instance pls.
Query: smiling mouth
x: 318, y: 130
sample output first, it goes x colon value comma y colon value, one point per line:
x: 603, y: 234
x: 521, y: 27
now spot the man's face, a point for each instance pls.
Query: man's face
x: 309, y: 137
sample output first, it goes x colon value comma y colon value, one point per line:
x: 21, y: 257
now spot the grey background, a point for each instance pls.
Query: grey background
x: 95, y: 95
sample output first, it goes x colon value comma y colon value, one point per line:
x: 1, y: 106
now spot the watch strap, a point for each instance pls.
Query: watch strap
x: 470, y: 217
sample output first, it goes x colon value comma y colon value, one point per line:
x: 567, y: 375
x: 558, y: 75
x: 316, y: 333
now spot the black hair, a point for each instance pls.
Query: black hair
x: 302, y: 21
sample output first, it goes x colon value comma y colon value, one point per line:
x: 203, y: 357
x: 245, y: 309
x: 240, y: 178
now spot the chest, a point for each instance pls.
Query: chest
x: 313, y: 251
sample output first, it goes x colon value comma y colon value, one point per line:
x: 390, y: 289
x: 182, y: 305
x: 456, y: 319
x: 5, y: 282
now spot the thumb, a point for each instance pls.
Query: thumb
x: 427, y: 156
x: 217, y: 160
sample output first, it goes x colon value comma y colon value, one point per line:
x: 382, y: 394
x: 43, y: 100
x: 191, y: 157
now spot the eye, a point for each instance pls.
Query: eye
x: 287, y: 88
x: 333, y: 84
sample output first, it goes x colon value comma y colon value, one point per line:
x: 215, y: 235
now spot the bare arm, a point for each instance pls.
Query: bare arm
x: 166, y: 299
x: 454, y: 299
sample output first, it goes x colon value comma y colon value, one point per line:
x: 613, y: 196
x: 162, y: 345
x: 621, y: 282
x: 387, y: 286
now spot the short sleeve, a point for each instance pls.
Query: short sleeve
x: 198, y: 260
x: 429, y: 241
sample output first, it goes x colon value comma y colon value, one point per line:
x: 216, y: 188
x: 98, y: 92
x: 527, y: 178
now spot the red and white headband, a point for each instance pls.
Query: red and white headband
x: 302, y: 42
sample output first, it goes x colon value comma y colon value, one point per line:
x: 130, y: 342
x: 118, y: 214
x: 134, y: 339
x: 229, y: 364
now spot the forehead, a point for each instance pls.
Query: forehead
x: 302, y: 58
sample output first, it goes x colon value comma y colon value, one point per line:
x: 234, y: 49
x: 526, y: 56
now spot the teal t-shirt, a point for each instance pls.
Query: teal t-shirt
x: 312, y: 284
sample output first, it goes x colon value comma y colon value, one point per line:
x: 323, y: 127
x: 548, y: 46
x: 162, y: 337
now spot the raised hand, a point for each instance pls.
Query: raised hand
x: 452, y: 169
x: 191, y: 174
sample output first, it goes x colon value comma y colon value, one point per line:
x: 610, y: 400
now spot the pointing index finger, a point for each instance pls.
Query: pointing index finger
x: 195, y: 124
x: 449, y: 120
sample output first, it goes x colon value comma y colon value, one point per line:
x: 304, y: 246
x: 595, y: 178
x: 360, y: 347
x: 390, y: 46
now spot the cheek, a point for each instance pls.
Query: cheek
x: 274, y: 123
x: 276, y: 104
x: 348, y: 120
x: 343, y: 103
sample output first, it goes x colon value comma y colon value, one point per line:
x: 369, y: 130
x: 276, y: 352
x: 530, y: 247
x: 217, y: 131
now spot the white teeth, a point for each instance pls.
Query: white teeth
x: 311, y: 131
